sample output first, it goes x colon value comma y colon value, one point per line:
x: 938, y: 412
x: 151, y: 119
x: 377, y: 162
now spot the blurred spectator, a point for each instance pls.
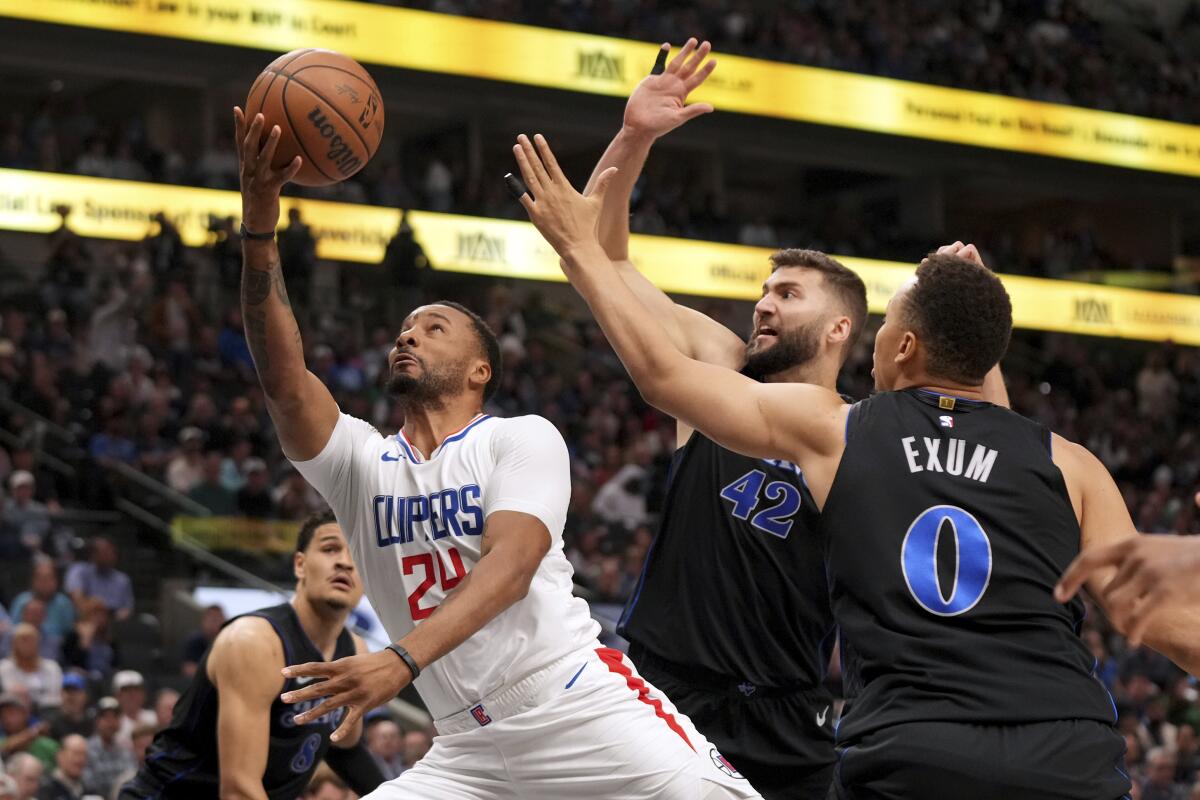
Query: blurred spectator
x: 107, y: 758
x: 41, y: 677
x: 254, y: 499
x: 143, y: 735
x: 34, y: 613
x: 1157, y: 388
x: 43, y: 586
x: 66, y: 781
x: 27, y: 771
x: 186, y: 470
x: 8, y: 787
x: 88, y: 647
x: 130, y: 689
x: 622, y: 499
x: 1160, y: 777
x: 25, y: 516
x: 114, y: 444
x: 1187, y: 755
x: 294, y: 499
x: 101, y: 579
x: 416, y: 744
x: 72, y: 716
x: 209, y: 492
x: 17, y: 735
x: 198, y: 643
x: 297, y: 256
x: 386, y: 746
x: 164, y: 706
x: 326, y: 786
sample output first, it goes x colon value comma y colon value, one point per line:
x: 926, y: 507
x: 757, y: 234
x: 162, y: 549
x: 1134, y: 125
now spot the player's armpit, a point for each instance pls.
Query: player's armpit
x: 1105, y: 522
x: 244, y: 666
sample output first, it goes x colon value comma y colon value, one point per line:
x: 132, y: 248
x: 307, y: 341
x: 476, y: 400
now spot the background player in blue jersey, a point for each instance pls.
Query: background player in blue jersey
x: 947, y: 522
x: 231, y: 736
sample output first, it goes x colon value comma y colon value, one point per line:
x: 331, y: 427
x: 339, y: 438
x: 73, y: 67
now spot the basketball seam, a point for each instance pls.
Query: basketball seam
x: 275, y: 73
x: 295, y: 130
x: 332, y: 106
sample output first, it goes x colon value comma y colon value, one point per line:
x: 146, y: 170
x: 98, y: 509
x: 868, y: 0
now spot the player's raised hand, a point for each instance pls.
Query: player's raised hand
x: 968, y: 251
x: 658, y: 104
x: 356, y: 683
x: 260, y: 182
x: 1156, y: 574
x: 566, y: 218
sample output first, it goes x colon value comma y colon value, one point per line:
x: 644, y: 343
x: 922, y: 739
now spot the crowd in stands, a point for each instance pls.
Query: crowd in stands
x: 1058, y: 51
x: 138, y: 349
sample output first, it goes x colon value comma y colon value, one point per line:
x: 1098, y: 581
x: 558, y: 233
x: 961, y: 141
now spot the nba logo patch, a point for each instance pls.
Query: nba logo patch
x: 947, y: 421
x: 480, y: 715
x: 722, y: 763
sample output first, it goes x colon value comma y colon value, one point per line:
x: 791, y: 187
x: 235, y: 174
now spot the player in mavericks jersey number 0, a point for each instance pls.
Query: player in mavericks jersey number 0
x: 455, y: 525
x: 971, y: 679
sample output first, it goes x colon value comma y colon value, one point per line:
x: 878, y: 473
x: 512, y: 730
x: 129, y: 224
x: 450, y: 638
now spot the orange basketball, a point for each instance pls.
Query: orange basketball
x: 328, y: 109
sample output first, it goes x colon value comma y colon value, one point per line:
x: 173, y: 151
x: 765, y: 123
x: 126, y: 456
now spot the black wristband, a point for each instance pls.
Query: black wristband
x: 258, y: 237
x: 406, y: 658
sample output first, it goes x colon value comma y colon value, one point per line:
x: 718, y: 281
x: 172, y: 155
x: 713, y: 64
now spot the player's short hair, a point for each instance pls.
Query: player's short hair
x: 963, y: 316
x: 309, y: 527
x: 489, y: 345
x: 844, y: 282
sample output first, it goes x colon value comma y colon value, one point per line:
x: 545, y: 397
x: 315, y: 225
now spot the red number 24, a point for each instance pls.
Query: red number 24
x: 425, y: 561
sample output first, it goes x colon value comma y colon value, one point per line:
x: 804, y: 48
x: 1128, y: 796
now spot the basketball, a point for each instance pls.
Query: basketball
x: 328, y: 109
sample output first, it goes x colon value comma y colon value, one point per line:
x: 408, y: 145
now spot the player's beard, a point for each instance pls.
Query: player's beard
x: 430, y: 387
x: 791, y: 349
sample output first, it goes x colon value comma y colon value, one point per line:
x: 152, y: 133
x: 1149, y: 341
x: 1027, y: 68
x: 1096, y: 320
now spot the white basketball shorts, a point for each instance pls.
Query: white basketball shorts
x: 587, y: 726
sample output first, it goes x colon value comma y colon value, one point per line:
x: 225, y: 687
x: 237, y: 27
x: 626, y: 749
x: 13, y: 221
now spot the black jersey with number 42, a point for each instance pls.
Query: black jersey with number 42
x: 735, y: 580
x: 947, y: 526
x: 182, y: 760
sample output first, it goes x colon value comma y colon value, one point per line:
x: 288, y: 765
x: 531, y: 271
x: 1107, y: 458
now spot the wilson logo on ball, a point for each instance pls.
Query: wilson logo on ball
x: 339, y: 152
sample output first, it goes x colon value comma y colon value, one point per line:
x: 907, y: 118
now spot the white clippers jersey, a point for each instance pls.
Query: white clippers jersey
x: 415, y: 526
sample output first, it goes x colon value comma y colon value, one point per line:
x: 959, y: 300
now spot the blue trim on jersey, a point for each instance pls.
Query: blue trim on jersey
x: 178, y: 777
x: 404, y: 445
x: 571, y: 682
x: 463, y: 432
x: 165, y: 754
x: 1095, y: 664
x: 846, y: 433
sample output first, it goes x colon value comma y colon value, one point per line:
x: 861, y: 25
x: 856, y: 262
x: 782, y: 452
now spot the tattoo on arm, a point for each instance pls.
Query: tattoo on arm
x: 256, y: 285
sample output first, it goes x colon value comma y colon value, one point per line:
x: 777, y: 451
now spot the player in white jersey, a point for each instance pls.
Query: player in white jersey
x: 456, y: 526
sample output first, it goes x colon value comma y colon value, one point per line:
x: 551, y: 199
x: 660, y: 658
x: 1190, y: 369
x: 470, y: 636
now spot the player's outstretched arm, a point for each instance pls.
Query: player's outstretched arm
x: 244, y: 666
x: 1135, y: 579
x: 739, y: 413
x: 657, y: 107
x: 303, y: 410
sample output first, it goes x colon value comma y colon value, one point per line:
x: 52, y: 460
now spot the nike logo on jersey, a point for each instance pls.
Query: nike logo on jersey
x: 821, y: 716
x: 392, y: 457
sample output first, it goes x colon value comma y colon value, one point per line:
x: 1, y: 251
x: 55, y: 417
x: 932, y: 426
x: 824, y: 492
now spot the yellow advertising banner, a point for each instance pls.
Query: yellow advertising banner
x: 430, y: 42
x: 237, y: 533
x: 125, y: 210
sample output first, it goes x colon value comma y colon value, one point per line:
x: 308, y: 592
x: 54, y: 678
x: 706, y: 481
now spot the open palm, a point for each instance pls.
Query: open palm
x: 657, y: 105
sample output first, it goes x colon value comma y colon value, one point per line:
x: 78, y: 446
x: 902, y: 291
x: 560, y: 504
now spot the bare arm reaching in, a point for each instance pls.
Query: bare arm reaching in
x: 303, y: 410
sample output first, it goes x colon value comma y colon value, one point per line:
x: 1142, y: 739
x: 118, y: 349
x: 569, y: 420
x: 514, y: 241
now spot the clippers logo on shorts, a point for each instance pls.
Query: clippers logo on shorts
x: 722, y: 763
x: 480, y: 715
x: 450, y: 512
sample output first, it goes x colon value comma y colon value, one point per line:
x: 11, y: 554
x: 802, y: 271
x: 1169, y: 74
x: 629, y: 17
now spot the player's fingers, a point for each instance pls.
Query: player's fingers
x: 527, y: 173
x: 970, y: 253
x: 541, y: 181
x: 660, y: 61
x: 681, y: 57
x: 310, y: 669
x: 239, y: 129
x: 1085, y: 565
x: 1142, y: 616
x: 696, y: 60
x: 311, y: 692
x: 267, y: 154
x: 527, y: 203
x: 696, y: 110
x: 353, y: 715
x: 694, y: 80
x: 601, y: 186
x: 320, y: 710
x: 291, y: 170
x: 548, y: 160
x: 252, y: 143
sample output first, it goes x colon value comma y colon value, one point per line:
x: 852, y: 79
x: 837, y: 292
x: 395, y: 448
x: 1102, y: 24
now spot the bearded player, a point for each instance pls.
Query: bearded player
x: 738, y: 552
x: 456, y: 525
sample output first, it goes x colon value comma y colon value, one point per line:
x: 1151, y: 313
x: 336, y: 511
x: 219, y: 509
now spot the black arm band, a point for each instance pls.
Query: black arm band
x: 258, y: 237
x: 406, y: 658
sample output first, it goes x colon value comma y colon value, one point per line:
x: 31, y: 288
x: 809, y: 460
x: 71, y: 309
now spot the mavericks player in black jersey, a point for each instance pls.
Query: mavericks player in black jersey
x: 231, y: 736
x: 731, y: 615
x: 947, y: 522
